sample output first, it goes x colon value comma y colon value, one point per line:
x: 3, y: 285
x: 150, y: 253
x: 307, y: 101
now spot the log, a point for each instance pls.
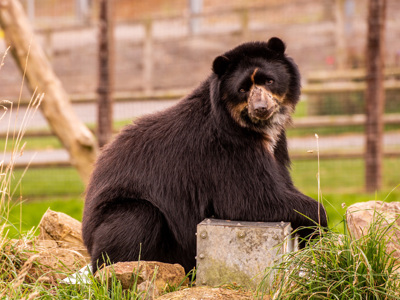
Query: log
x: 56, y: 106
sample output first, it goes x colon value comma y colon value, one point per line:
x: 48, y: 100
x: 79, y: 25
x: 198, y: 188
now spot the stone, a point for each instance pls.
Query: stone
x: 205, y: 293
x: 64, y: 230
x: 49, y: 264
x: 239, y: 252
x: 150, y: 276
x: 55, y: 254
x: 58, y: 263
x: 361, y: 215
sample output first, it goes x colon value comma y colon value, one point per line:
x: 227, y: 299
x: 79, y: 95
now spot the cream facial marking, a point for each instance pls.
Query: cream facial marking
x: 271, y: 134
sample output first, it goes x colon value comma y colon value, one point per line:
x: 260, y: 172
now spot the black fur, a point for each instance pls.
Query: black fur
x: 168, y: 171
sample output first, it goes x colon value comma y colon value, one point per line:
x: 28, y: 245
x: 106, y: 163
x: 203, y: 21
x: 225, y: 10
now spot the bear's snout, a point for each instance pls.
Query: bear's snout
x: 262, y: 104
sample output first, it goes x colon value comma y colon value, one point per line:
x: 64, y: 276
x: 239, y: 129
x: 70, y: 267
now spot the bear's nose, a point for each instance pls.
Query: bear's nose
x: 262, y: 103
x: 261, y: 107
x: 264, y: 109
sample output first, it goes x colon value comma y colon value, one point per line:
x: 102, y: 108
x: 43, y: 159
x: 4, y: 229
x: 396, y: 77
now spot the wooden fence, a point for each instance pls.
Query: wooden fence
x: 299, y: 123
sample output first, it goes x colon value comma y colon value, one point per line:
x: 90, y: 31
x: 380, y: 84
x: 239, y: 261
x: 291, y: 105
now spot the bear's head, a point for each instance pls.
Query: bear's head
x: 258, y: 85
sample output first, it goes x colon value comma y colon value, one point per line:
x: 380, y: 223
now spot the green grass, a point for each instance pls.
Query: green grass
x: 301, y: 110
x: 326, y: 131
x: 339, y: 266
x: 342, y: 183
x: 47, y: 182
x: 59, y: 189
x: 342, y: 176
x: 35, y: 143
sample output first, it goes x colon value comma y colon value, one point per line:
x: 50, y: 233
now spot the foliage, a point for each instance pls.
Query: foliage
x: 339, y: 266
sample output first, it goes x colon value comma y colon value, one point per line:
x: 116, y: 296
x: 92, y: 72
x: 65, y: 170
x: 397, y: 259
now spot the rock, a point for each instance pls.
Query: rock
x: 151, y: 276
x: 56, y: 253
x: 31, y: 245
x: 205, y: 293
x: 55, y: 264
x: 64, y: 230
x: 44, y: 260
x: 360, y: 216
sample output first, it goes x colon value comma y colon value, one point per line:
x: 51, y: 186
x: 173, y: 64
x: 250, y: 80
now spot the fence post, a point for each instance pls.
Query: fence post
x: 341, y: 54
x: 196, y: 7
x: 244, y: 21
x: 375, y: 95
x: 30, y: 7
x: 82, y: 10
x: 148, y: 57
x: 105, y: 75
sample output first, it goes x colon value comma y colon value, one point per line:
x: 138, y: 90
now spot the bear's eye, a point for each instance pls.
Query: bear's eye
x: 242, y: 90
x: 269, y: 81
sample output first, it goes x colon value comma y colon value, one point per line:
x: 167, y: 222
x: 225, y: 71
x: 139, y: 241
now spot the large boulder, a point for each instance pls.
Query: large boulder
x: 64, y: 230
x: 150, y: 276
x: 45, y: 260
x: 385, y: 216
x: 57, y: 252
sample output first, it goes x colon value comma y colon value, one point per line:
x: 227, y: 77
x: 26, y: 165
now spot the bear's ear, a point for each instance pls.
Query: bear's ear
x: 276, y: 45
x: 220, y: 65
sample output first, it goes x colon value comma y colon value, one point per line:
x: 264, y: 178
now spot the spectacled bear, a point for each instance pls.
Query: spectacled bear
x: 220, y: 152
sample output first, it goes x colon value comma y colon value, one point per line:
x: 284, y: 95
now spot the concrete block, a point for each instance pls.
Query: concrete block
x: 239, y: 252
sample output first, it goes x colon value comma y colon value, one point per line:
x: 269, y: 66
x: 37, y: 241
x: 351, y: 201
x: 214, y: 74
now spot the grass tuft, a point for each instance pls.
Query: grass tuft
x: 339, y: 266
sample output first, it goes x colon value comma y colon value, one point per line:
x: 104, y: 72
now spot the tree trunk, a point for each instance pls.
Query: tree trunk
x: 56, y: 107
x: 105, y: 87
x: 375, y: 95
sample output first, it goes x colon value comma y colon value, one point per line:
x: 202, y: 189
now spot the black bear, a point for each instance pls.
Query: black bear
x: 220, y: 152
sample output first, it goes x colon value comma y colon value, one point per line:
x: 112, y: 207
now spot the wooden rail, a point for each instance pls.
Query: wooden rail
x: 294, y: 156
x: 344, y: 87
x: 305, y: 122
x: 347, y: 75
x: 341, y: 121
x: 332, y: 155
x: 312, y: 88
x: 121, y: 97
x: 298, y: 123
